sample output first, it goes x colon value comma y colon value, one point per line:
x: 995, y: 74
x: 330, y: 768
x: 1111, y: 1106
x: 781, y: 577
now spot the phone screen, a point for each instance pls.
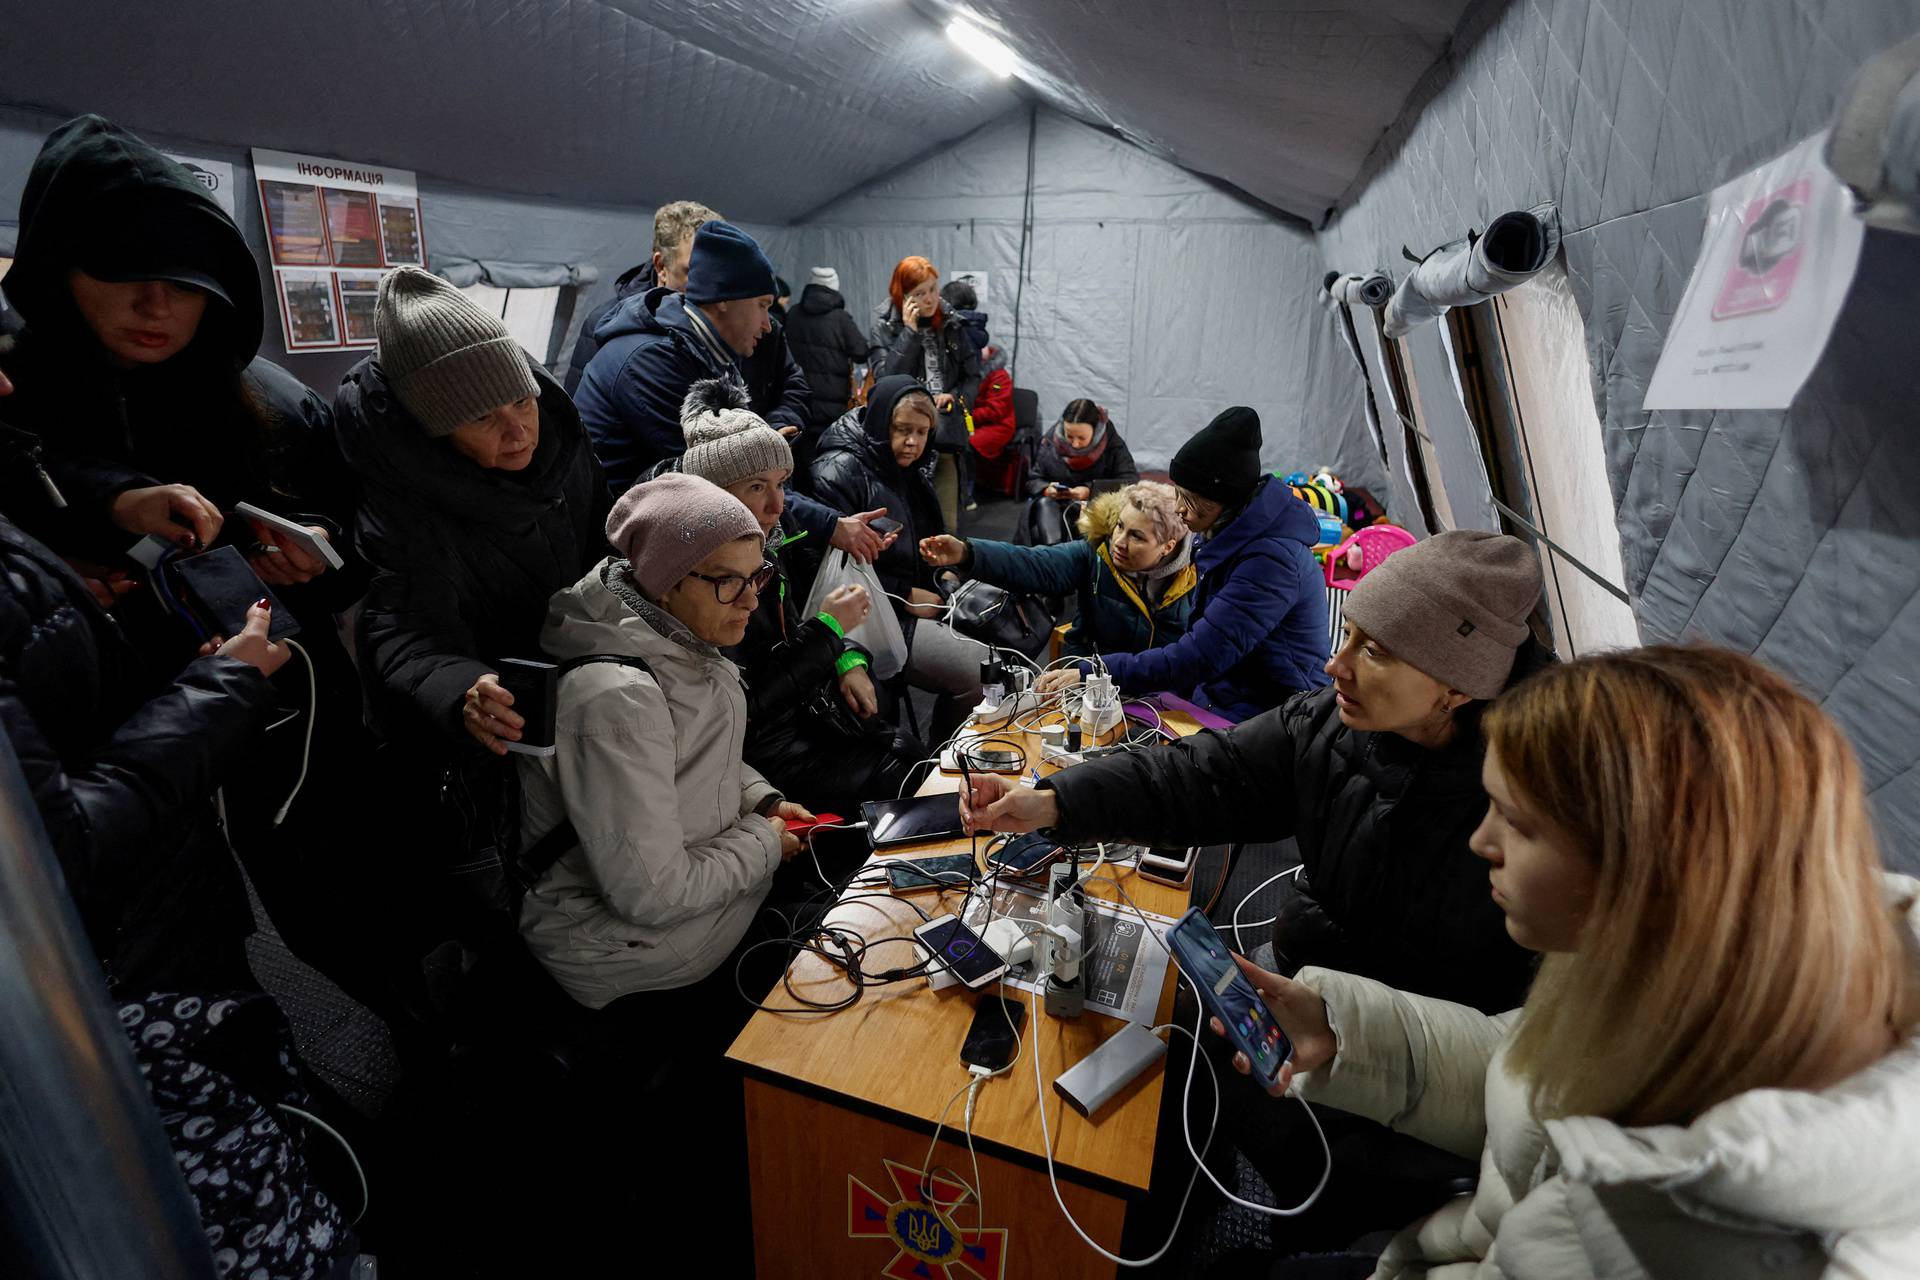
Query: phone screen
x: 1024, y: 854
x: 1203, y: 956
x: 994, y: 1037
x: 950, y: 871
x: 955, y: 946
x: 884, y: 525
x: 913, y: 821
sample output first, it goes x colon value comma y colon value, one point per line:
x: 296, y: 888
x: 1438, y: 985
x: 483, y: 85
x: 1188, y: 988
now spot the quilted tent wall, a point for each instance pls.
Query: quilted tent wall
x: 1792, y: 534
x: 1149, y: 289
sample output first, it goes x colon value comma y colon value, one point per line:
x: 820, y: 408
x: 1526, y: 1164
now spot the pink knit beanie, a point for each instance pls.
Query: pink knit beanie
x: 666, y: 526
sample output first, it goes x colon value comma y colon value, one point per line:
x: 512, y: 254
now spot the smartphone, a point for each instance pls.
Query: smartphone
x: 220, y: 586
x: 922, y: 875
x: 535, y: 687
x: 994, y: 1038
x: 1169, y: 866
x: 884, y: 525
x: 1203, y: 956
x: 914, y: 821
x: 953, y: 945
x: 298, y: 534
x: 1027, y: 855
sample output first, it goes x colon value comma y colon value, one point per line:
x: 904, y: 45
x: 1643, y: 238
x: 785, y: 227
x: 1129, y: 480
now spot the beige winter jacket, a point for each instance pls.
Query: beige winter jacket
x: 1772, y: 1183
x: 673, y: 859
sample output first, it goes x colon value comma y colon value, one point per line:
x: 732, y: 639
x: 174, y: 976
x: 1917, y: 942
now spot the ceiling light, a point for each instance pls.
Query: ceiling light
x: 983, y: 46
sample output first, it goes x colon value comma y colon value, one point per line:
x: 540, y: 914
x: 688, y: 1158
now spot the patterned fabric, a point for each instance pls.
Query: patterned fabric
x: 219, y: 1069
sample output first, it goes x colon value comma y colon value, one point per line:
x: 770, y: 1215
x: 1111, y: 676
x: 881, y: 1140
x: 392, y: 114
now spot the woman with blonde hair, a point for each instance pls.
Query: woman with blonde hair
x: 1715, y: 1072
x: 1132, y: 567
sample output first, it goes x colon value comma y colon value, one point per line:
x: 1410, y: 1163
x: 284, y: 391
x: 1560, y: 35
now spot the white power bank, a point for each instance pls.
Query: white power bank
x: 1092, y: 1082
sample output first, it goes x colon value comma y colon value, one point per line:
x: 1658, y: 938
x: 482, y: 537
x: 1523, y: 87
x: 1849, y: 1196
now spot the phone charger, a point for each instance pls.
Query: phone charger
x: 1096, y: 1079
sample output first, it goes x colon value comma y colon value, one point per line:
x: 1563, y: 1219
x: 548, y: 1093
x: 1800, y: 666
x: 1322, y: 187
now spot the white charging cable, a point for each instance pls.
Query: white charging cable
x: 1239, y: 945
x: 366, y: 1197
x: 306, y: 744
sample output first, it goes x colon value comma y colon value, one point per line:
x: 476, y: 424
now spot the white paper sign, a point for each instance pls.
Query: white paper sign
x: 1775, y: 264
x: 978, y: 279
x: 215, y: 175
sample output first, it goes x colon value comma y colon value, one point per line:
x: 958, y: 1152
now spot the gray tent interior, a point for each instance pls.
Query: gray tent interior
x: 1196, y: 170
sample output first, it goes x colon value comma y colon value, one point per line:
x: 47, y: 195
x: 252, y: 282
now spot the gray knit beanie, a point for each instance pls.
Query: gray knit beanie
x: 667, y: 525
x: 726, y: 440
x: 1455, y: 606
x: 448, y: 360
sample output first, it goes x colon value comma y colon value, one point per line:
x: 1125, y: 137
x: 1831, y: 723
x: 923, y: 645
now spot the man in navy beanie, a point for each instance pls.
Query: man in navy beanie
x: 655, y: 345
x: 1259, y: 629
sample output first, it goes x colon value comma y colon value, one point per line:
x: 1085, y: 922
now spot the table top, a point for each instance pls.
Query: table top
x: 898, y: 1047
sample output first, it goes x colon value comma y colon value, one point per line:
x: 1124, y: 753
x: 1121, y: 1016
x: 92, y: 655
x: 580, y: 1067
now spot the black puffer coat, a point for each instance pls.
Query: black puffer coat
x: 892, y: 348
x: 124, y: 774
x: 826, y: 341
x: 1390, y: 890
x: 215, y: 417
x: 855, y: 471
x: 464, y: 558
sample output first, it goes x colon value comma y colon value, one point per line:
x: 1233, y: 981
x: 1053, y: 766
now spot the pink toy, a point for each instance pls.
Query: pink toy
x: 1359, y: 555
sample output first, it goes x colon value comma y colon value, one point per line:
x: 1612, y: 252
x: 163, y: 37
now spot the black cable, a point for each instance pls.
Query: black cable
x: 1026, y: 235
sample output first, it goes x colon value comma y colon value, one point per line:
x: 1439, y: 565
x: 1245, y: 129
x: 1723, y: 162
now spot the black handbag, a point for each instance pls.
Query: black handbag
x: 996, y: 616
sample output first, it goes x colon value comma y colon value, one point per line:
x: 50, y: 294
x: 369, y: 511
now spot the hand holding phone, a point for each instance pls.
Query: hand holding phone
x: 1261, y: 1022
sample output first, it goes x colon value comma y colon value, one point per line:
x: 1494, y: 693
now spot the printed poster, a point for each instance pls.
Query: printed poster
x: 1781, y: 246
x: 333, y: 228
x: 306, y: 305
x: 359, y: 290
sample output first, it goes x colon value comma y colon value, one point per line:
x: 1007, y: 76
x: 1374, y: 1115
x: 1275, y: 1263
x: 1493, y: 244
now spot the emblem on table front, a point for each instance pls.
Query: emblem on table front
x: 919, y: 1224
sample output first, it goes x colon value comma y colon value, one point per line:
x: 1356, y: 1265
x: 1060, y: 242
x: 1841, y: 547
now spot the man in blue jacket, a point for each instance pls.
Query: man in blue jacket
x: 1259, y: 629
x: 655, y: 345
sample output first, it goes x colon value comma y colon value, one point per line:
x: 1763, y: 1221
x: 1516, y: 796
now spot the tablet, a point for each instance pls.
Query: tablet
x: 298, y: 534
x: 913, y: 821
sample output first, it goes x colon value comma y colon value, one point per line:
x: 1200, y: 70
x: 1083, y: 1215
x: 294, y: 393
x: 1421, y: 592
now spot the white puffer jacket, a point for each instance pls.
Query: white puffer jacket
x: 1774, y: 1182
x: 673, y: 859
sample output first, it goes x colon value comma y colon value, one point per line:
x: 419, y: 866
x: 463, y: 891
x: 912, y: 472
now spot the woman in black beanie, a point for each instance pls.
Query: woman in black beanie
x: 1259, y: 630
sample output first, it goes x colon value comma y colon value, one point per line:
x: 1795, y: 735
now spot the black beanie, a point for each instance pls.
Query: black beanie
x: 1221, y: 461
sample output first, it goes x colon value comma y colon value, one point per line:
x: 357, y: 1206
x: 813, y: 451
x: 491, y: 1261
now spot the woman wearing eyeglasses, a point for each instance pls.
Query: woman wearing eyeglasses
x: 813, y: 726
x: 678, y: 838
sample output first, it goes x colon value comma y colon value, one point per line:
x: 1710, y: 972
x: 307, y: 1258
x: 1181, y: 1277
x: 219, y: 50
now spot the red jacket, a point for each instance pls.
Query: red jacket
x: 993, y: 413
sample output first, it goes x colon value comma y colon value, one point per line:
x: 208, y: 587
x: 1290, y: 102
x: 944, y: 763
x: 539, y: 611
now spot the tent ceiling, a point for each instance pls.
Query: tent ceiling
x: 1283, y: 98
x: 764, y: 108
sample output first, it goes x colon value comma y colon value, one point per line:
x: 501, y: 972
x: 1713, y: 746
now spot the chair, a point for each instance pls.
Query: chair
x: 1351, y: 561
x: 1007, y: 474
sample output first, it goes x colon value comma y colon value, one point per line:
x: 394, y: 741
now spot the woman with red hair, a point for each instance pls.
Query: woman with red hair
x: 916, y: 333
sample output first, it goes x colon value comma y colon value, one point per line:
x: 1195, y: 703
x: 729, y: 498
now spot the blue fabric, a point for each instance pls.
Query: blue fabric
x: 1259, y: 628
x: 1109, y: 622
x: 629, y: 397
x: 726, y: 263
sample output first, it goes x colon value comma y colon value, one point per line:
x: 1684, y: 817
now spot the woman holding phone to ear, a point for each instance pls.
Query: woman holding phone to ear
x: 1715, y: 1070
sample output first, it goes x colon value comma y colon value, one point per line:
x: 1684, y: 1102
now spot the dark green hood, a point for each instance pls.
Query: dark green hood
x: 91, y: 183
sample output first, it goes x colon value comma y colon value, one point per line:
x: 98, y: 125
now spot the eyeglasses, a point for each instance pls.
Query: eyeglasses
x: 728, y: 586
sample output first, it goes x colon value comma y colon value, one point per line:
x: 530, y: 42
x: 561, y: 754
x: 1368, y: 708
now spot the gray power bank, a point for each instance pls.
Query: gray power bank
x: 1092, y: 1082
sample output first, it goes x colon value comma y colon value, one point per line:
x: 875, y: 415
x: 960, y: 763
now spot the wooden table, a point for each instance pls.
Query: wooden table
x: 840, y: 1108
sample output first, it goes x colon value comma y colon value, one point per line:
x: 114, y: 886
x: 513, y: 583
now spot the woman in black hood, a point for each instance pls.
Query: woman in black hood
x: 878, y: 454
x: 136, y: 381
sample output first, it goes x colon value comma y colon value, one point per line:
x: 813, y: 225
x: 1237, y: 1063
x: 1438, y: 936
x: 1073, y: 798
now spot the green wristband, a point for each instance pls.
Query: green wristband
x: 848, y: 661
x: 833, y: 624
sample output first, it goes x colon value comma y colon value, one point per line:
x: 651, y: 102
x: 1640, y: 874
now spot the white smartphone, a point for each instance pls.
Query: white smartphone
x: 954, y: 947
x: 298, y: 534
x: 1162, y: 866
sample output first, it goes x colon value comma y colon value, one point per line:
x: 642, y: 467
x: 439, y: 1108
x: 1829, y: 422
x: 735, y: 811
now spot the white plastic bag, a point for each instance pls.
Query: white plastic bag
x: 880, y: 634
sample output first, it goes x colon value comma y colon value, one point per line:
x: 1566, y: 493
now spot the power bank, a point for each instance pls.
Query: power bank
x: 1096, y: 1079
x: 535, y: 687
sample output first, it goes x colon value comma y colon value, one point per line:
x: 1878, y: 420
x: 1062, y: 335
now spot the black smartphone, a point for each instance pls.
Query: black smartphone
x: 219, y: 586
x: 921, y: 875
x: 535, y: 687
x: 884, y: 525
x: 913, y: 821
x: 994, y: 1037
x: 1203, y: 956
x: 1026, y: 855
